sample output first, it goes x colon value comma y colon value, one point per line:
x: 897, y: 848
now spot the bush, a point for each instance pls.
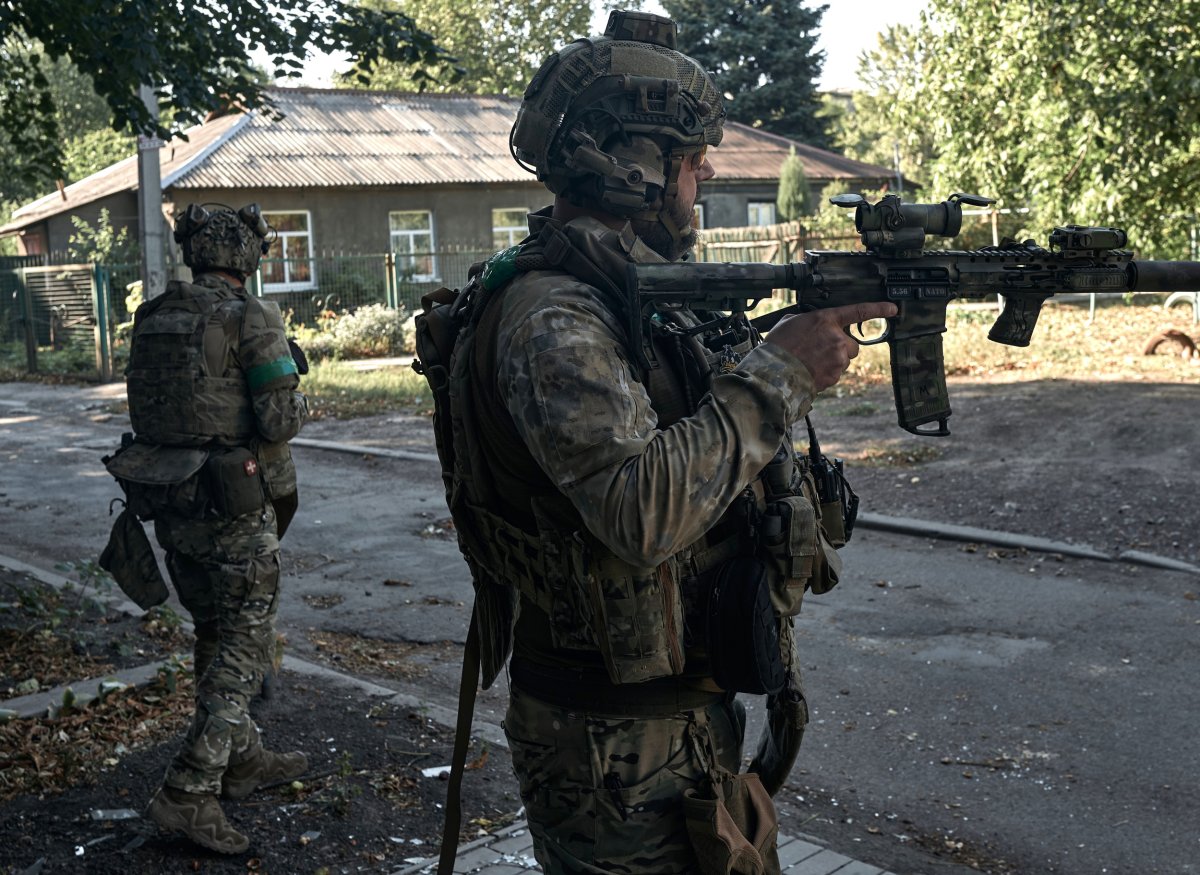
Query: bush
x: 372, y: 331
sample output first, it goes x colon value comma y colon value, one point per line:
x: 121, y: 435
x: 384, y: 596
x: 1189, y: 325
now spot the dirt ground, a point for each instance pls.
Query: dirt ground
x: 365, y: 804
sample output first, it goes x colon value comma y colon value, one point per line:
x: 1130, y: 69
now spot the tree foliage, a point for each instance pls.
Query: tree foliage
x: 1081, y: 111
x: 101, y: 243
x: 498, y: 51
x: 794, y: 197
x: 893, y: 74
x: 195, y: 54
x: 764, y: 57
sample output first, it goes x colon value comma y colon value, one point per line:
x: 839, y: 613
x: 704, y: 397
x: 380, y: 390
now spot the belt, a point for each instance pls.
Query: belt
x: 592, y: 692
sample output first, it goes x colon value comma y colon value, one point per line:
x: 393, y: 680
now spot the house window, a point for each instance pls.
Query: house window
x: 698, y: 216
x: 509, y: 228
x: 760, y: 213
x: 412, y: 241
x: 289, y: 266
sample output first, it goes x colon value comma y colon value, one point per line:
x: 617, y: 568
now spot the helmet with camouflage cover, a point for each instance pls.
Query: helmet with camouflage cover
x: 222, y: 239
x: 608, y: 121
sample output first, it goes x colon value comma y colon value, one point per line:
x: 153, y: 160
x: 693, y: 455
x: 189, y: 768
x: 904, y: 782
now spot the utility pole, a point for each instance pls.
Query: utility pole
x: 150, y: 214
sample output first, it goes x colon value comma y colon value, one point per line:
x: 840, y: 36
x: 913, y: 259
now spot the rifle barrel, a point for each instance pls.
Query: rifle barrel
x: 1164, y: 276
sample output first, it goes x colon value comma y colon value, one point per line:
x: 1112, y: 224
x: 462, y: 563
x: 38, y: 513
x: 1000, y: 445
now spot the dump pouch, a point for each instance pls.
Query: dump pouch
x: 636, y: 614
x: 157, y: 478
x: 129, y: 558
x: 743, y: 631
x: 234, y: 483
x: 732, y: 826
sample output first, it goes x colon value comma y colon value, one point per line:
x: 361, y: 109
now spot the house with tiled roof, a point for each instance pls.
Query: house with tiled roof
x: 370, y: 172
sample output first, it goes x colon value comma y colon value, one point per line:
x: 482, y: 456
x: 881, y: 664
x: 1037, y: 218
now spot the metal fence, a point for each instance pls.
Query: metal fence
x: 306, y: 288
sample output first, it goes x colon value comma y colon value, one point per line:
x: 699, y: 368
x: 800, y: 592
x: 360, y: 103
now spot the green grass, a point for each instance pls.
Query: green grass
x: 343, y: 391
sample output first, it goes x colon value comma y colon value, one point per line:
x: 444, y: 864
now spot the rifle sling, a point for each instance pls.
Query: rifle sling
x: 468, y: 684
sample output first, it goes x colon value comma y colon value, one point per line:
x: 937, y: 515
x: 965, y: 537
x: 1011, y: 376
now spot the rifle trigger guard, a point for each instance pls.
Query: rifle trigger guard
x: 862, y: 340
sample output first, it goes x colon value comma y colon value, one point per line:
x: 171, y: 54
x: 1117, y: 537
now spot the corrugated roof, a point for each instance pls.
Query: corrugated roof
x: 338, y: 137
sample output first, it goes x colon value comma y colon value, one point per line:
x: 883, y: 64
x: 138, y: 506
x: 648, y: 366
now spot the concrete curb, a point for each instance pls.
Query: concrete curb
x: 946, y: 531
x: 364, y: 450
x: 971, y: 534
x: 875, y: 521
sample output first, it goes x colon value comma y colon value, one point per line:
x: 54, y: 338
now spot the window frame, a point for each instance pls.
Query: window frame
x: 750, y: 208
x: 412, y: 253
x: 289, y: 285
x: 515, y: 233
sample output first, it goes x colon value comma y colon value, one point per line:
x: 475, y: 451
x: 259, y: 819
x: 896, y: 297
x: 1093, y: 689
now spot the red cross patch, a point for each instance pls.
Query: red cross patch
x: 250, y: 466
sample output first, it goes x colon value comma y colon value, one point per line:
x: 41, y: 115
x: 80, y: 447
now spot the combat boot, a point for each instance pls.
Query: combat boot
x: 197, y: 816
x: 264, y: 767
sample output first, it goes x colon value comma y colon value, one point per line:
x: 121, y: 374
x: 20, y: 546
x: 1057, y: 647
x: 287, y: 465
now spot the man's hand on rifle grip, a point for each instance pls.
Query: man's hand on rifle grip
x: 820, y: 341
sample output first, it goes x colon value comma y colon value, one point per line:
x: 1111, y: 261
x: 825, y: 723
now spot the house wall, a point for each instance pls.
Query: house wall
x: 726, y: 205
x: 355, y: 220
x: 122, y: 213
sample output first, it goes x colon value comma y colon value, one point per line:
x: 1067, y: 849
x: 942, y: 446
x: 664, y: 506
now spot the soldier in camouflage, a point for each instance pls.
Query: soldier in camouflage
x: 603, y: 478
x: 213, y: 400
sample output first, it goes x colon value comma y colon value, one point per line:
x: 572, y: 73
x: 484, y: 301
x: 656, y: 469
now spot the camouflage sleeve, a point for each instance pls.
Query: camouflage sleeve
x: 645, y: 492
x: 263, y: 353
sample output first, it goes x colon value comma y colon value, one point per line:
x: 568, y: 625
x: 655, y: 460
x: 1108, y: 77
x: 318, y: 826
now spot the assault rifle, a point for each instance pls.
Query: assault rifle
x: 921, y: 282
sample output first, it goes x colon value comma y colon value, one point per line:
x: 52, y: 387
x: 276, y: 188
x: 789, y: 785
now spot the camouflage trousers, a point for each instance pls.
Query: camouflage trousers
x: 604, y: 794
x: 227, y: 575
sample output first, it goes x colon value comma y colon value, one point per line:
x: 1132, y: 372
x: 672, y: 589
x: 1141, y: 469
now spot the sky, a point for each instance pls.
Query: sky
x: 848, y: 28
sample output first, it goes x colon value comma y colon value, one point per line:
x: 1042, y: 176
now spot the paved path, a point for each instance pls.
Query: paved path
x: 510, y: 852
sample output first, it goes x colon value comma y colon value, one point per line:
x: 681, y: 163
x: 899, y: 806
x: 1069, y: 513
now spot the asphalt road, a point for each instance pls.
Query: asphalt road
x: 1042, y: 712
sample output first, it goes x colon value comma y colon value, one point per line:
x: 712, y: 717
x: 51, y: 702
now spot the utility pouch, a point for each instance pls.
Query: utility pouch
x: 636, y: 614
x: 156, y: 478
x: 732, y: 826
x: 743, y: 631
x: 129, y: 558
x: 234, y: 483
x: 788, y: 546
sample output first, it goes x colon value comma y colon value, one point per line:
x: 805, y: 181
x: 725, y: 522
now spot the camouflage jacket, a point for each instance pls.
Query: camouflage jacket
x: 564, y: 368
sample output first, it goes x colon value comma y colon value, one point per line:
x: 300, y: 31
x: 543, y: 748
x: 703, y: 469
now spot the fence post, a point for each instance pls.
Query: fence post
x: 27, y: 318
x: 391, y: 293
x: 101, y: 285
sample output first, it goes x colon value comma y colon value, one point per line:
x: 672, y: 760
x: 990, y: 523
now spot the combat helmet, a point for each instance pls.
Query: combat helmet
x: 222, y: 239
x: 607, y: 121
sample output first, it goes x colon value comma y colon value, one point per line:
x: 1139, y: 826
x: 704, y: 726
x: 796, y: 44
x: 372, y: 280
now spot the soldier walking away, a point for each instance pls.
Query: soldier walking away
x: 213, y: 400
x: 639, y: 529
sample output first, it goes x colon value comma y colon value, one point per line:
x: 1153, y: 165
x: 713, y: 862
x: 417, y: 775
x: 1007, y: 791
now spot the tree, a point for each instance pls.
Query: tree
x: 498, y: 52
x: 195, y: 54
x: 1080, y: 111
x: 763, y: 55
x: 794, y: 198
x: 869, y: 129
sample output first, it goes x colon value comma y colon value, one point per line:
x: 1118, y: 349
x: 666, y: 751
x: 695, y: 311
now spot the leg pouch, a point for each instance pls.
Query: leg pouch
x: 733, y: 826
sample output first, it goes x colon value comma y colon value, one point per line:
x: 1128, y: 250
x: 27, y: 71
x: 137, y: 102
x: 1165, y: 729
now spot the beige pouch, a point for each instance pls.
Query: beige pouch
x: 733, y: 826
